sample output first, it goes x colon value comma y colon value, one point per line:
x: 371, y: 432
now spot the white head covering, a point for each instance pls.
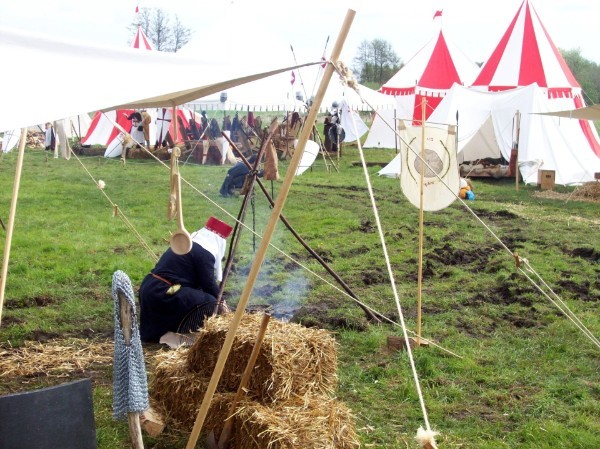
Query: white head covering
x: 214, y: 244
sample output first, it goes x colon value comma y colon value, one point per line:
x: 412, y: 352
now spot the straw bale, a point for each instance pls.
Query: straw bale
x: 293, y: 359
x: 312, y: 422
x: 177, y: 393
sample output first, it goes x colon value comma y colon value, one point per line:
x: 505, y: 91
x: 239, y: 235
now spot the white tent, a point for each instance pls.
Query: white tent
x: 106, y: 88
x: 487, y: 128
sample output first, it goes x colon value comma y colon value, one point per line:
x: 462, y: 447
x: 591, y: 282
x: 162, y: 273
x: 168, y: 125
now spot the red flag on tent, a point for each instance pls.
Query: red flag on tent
x: 293, y: 80
x: 438, y: 13
x: 137, y: 8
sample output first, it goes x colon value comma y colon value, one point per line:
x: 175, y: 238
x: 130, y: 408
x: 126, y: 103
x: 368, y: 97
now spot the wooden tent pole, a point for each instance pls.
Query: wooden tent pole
x: 420, y: 272
x: 11, y: 217
x: 517, y: 148
x: 269, y: 230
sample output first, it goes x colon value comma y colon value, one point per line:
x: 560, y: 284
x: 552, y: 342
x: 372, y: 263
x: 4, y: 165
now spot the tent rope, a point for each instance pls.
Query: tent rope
x: 571, y: 315
x: 118, y: 212
x: 288, y: 256
x: 348, y: 79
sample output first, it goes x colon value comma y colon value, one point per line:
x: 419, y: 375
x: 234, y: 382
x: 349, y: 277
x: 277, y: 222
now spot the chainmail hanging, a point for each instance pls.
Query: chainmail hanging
x: 130, y: 385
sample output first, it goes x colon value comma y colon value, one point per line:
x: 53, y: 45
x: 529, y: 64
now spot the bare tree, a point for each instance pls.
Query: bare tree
x: 156, y: 24
x: 181, y: 35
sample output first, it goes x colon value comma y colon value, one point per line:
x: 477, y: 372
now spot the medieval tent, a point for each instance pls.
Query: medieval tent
x: 140, y: 40
x: 427, y: 75
x: 489, y: 128
x: 526, y: 55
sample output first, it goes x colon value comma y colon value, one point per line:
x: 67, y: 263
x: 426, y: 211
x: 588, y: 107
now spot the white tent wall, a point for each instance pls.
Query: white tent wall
x: 161, y: 85
x: 544, y: 142
x: 382, y: 133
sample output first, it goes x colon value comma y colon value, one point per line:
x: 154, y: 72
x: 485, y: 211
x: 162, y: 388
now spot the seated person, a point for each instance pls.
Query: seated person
x: 179, y: 285
x: 236, y: 176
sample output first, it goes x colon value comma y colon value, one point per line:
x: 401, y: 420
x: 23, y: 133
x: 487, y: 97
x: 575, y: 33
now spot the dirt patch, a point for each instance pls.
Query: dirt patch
x: 589, y: 254
x: 366, y: 226
x: 448, y: 255
x: 577, y: 291
x: 43, y: 336
x: 36, y: 301
x: 497, y: 215
x: 374, y: 276
x: 321, y: 316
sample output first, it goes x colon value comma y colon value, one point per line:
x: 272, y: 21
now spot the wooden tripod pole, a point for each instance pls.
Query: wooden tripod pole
x: 11, y: 217
x: 269, y: 230
x: 370, y: 315
x: 420, y: 273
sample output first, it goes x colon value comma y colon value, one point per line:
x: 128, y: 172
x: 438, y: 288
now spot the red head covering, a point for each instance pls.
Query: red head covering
x: 219, y: 227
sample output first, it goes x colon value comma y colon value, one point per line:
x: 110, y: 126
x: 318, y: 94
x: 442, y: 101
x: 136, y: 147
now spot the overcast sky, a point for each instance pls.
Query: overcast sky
x: 267, y: 28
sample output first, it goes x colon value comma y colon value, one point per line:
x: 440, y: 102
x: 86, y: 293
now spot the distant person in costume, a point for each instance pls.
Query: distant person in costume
x: 184, y: 286
x: 146, y: 120
x: 50, y: 138
x: 236, y: 176
x: 137, y: 127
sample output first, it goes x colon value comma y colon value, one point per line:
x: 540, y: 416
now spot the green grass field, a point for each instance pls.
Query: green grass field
x: 522, y: 375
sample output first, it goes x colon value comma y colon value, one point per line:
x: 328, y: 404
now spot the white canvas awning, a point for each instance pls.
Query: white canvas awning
x: 87, y: 79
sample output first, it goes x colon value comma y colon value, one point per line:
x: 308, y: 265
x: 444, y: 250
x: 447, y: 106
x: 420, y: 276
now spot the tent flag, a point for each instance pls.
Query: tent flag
x: 438, y: 13
x: 441, y: 179
x: 293, y: 80
x: 351, y: 121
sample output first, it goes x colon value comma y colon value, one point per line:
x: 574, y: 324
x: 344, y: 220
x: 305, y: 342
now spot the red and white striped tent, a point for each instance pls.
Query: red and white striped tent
x: 527, y: 55
x: 525, y: 79
x: 428, y: 75
x: 140, y: 40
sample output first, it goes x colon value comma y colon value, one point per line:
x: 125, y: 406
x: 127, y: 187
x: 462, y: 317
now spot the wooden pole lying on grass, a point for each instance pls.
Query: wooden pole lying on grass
x: 11, y: 217
x: 268, y: 233
x: 370, y: 315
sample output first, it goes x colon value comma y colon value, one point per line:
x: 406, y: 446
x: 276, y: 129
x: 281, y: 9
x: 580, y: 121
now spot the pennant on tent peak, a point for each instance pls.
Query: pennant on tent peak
x: 438, y: 13
x: 441, y: 178
x: 293, y: 80
x: 137, y: 9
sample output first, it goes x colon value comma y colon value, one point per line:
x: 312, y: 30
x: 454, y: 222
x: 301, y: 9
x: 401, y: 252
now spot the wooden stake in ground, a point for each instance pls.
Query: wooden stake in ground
x: 269, y: 230
x: 133, y: 418
x: 11, y: 217
x: 226, y: 432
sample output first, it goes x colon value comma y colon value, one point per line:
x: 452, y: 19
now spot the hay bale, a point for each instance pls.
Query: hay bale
x: 177, y: 393
x: 293, y: 359
x: 312, y: 422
